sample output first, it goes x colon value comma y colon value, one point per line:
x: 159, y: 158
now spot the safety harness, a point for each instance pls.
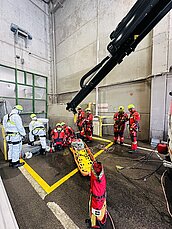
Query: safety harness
x: 13, y: 143
x: 12, y: 134
x: 38, y: 128
x: 9, y: 133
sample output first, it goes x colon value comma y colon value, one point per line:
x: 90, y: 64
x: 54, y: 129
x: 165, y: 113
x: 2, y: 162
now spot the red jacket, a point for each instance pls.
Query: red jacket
x: 81, y: 118
x: 97, y: 188
x: 134, y: 119
x: 120, y: 118
x: 89, y: 119
x: 57, y: 136
x: 69, y: 132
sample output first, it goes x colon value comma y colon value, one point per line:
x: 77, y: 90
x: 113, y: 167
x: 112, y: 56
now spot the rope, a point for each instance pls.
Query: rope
x: 163, y: 189
x: 143, y: 177
x: 148, y: 199
x: 113, y: 225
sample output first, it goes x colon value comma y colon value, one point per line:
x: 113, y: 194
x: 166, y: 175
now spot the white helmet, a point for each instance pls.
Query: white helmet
x: 27, y: 155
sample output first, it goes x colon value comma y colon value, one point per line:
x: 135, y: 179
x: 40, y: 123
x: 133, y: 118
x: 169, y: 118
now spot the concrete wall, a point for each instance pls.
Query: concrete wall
x: 80, y: 25
x: 160, y: 103
x: 82, y: 30
x: 162, y: 80
x: 32, y: 16
x: 57, y: 113
x: 81, y: 33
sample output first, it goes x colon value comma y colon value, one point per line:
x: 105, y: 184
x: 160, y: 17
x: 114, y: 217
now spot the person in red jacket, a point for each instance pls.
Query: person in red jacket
x: 89, y: 125
x: 58, y: 137
x: 120, y: 118
x: 69, y: 133
x: 81, y: 121
x: 97, y: 203
x: 134, y: 119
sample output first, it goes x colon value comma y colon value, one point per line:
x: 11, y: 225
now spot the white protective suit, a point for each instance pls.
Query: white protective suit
x: 36, y: 128
x: 14, y: 133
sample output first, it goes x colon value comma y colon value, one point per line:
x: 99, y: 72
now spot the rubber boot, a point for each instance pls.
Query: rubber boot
x: 133, y: 148
x: 10, y: 163
x: 132, y: 151
x: 42, y: 151
x: 17, y: 164
x: 115, y: 140
x: 121, y: 140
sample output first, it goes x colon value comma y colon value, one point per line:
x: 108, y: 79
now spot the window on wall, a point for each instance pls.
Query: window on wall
x: 20, y: 77
x: 7, y: 74
x: 40, y: 94
x: 25, y: 88
x: 29, y: 79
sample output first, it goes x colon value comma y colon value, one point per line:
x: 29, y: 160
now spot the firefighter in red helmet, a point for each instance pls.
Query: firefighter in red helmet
x: 81, y: 121
x: 134, y: 119
x: 120, y: 118
x: 89, y: 125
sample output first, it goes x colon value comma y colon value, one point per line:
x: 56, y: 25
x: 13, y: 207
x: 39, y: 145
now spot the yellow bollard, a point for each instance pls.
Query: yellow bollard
x: 4, y: 142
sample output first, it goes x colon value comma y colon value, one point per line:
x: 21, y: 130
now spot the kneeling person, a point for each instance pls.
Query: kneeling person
x: 58, y: 137
x: 36, y: 128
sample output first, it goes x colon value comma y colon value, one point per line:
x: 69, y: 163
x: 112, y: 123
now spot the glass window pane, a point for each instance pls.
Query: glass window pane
x: 20, y: 77
x: 40, y: 106
x: 43, y: 115
x: 40, y: 81
x: 40, y: 93
x: 27, y: 105
x: 7, y: 89
x: 25, y: 120
x: 25, y: 92
x: 6, y: 106
x: 29, y: 79
x: 7, y: 74
x: 10, y: 103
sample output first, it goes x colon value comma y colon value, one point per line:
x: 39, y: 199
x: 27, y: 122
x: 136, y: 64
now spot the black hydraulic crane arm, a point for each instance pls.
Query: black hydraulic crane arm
x: 139, y: 21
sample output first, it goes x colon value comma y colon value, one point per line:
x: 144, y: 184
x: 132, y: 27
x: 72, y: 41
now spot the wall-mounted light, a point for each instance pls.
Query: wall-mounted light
x: 19, y: 32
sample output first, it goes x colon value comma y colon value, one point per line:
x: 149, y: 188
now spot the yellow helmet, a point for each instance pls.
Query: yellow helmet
x: 78, y: 107
x: 59, y: 129
x: 131, y: 106
x: 121, y: 108
x: 58, y: 124
x: 18, y: 107
x: 63, y: 123
x: 33, y: 115
x: 87, y: 109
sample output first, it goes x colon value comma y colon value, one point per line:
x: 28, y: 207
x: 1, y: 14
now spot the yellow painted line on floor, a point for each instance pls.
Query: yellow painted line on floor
x: 47, y: 188
x: 36, y: 177
x: 62, y: 180
x: 102, y: 150
x: 101, y: 139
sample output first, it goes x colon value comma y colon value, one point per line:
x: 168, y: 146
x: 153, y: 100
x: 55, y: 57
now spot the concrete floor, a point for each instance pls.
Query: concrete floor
x: 132, y: 201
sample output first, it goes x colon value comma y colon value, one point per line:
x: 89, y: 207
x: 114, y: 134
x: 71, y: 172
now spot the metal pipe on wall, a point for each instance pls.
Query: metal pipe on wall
x: 52, y: 61
x: 53, y: 9
x: 97, y: 56
x: 53, y: 69
x: 54, y: 56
